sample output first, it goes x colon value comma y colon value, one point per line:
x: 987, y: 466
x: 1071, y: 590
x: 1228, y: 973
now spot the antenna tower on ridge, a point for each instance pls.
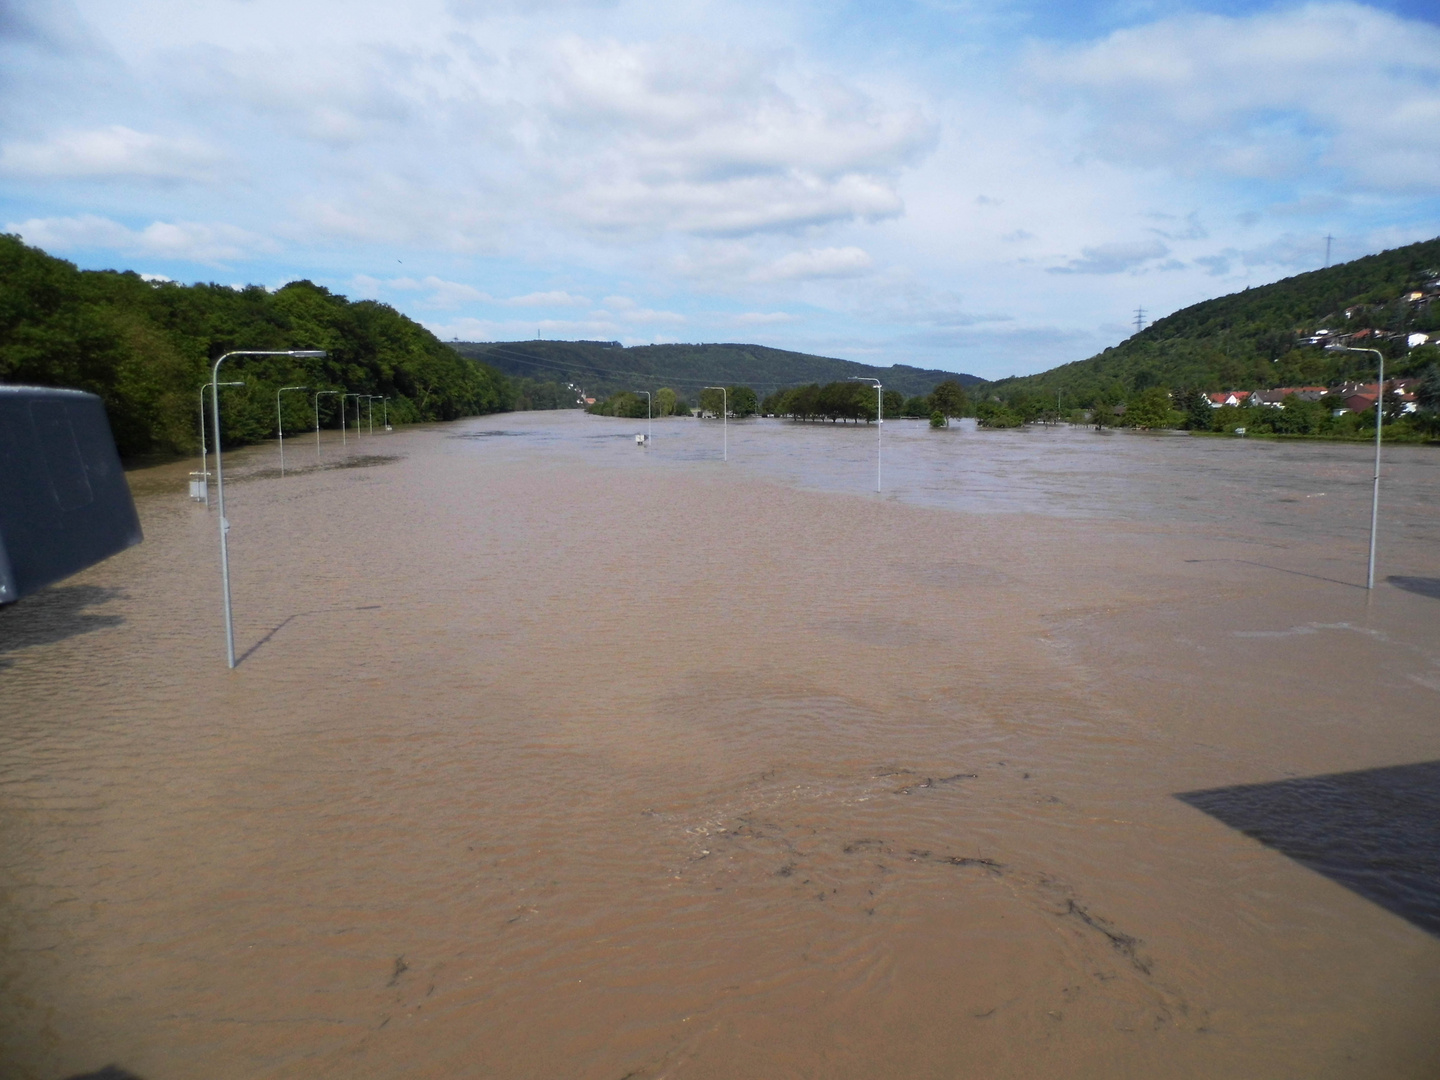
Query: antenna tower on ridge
x: 1328, y: 238
x: 1139, y: 319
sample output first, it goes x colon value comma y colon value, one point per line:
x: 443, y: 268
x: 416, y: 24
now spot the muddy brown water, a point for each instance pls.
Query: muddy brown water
x: 551, y: 756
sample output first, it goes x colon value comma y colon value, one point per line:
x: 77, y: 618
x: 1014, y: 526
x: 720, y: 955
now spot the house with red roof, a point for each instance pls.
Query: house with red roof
x: 1228, y: 397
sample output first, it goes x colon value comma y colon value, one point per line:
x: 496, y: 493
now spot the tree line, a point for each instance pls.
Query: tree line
x: 836, y: 402
x: 146, y: 346
x: 852, y: 400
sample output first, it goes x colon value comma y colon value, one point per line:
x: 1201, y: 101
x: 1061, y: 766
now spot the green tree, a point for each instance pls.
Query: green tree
x: 917, y: 406
x: 949, y: 398
x: 995, y: 414
x: 1427, y: 394
x: 1150, y: 409
x: 665, y: 401
x: 714, y: 402
x: 1298, y: 417
x: 938, y: 420
x: 1199, y: 413
x: 743, y: 401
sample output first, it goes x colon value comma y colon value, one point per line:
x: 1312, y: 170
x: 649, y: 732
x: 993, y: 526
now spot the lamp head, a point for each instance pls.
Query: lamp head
x: 308, y: 354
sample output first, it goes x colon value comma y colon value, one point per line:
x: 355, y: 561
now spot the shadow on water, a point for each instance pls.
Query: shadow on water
x: 288, y: 620
x: 1375, y: 831
x: 358, y: 461
x: 1425, y: 586
x: 54, y: 614
x: 1283, y: 570
x: 109, y: 1072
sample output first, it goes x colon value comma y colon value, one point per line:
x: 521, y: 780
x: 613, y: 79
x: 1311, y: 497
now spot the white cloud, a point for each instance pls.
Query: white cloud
x: 537, y: 155
x: 556, y: 298
x: 114, y: 152
x: 762, y: 318
x: 709, y: 139
x: 209, y: 243
x: 816, y: 263
x: 1335, y: 85
x: 1113, y: 258
x: 624, y: 309
x: 453, y: 294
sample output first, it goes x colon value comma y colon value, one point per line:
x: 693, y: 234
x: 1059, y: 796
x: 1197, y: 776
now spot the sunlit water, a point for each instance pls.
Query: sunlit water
x: 551, y: 755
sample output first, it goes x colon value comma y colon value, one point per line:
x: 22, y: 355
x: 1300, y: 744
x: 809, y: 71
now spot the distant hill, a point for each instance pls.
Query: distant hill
x: 602, y: 368
x: 1265, y: 337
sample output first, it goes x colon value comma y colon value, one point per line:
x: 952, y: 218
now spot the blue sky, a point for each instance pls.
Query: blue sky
x: 966, y: 184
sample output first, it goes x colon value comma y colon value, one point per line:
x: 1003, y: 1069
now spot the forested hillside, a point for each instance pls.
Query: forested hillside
x: 145, y: 348
x: 1263, y: 337
x: 603, y: 368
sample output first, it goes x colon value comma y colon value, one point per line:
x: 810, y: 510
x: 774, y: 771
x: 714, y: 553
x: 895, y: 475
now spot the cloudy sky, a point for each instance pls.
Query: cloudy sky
x: 977, y: 185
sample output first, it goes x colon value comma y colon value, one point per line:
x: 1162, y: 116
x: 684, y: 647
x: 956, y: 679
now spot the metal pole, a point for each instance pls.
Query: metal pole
x: 318, y: 395
x: 879, y: 420
x: 1379, y: 422
x: 224, y: 525
x: 204, y: 460
x: 385, y: 409
x: 370, y: 411
x: 280, y: 423
x: 724, y: 418
x: 1375, y: 492
x: 220, y: 483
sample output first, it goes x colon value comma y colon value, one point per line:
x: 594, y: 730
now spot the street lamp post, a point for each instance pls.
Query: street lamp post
x: 385, y: 410
x: 220, y: 478
x: 357, y: 398
x: 204, y: 459
x: 1379, y: 420
x: 879, y: 419
x: 318, y: 395
x: 370, y: 411
x: 280, y: 422
x: 724, y: 419
x: 647, y: 414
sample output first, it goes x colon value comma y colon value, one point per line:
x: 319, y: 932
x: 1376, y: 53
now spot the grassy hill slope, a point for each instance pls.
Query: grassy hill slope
x: 604, y: 368
x: 1255, y: 339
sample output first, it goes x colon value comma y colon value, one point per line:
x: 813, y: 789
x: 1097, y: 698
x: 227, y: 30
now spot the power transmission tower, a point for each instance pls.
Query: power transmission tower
x: 1328, y: 238
x: 1139, y: 319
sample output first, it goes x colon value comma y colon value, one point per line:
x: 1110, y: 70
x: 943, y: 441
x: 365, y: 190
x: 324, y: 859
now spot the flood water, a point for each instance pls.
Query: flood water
x: 549, y: 755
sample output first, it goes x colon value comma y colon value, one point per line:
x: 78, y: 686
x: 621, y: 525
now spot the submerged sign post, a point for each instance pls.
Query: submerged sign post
x: 220, y: 477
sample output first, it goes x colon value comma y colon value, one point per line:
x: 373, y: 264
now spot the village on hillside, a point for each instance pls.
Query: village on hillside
x: 1351, y: 396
